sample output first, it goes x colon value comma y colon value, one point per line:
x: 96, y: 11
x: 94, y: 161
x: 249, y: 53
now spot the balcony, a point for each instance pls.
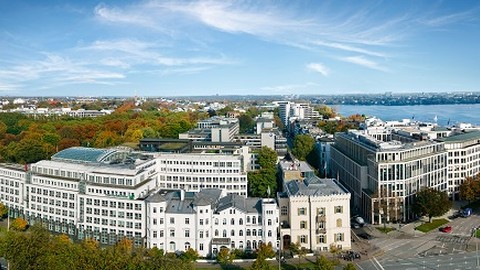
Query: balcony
x: 321, y: 218
x: 321, y: 231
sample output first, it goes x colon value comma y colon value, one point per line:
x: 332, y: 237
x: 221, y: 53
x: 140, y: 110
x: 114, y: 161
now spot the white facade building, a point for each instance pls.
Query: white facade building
x: 209, y: 220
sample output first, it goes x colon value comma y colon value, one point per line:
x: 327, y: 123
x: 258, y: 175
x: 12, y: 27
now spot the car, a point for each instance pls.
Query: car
x: 446, y: 229
x: 355, y: 225
x: 365, y: 236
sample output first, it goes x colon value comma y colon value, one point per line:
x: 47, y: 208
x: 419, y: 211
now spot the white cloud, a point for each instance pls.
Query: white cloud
x: 349, y: 48
x: 362, y: 61
x: 287, y: 89
x: 116, y: 15
x: 320, y: 68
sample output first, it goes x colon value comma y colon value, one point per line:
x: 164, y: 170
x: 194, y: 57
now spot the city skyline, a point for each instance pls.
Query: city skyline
x: 182, y: 48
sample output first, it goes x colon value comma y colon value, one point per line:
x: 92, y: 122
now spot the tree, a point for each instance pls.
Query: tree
x: 264, y: 252
x: 18, y: 224
x: 267, y: 158
x: 260, y: 182
x: 326, y: 112
x: 225, y: 257
x: 191, y: 255
x: 246, y: 123
x: 349, y: 266
x: 301, y: 252
x: 470, y: 188
x: 322, y: 263
x: 431, y: 202
x: 3, y: 210
x: 303, y: 145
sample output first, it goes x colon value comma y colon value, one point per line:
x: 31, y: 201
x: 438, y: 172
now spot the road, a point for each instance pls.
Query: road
x: 409, y: 249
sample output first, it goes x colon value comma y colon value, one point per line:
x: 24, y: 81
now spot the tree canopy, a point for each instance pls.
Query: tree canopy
x: 303, y: 145
x: 37, y: 249
x: 26, y: 139
x: 431, y: 203
x: 265, y: 179
x: 470, y: 188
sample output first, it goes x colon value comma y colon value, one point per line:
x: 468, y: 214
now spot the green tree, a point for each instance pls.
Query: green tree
x: 322, y: 263
x: 303, y: 145
x: 431, y: 202
x: 246, y: 123
x: 264, y: 252
x: 225, y: 257
x: 349, y: 266
x: 267, y: 158
x: 191, y: 255
x: 3, y: 210
x: 261, y: 182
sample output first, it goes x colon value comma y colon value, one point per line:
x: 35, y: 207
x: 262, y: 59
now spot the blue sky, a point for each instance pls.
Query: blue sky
x: 179, y: 48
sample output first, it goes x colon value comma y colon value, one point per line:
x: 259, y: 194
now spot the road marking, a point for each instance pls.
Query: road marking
x: 381, y: 267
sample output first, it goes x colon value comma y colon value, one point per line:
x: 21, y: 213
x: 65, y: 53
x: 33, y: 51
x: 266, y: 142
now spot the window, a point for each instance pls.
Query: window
x: 172, y: 246
x: 216, y: 232
x: 201, y: 221
x: 339, y: 222
x: 339, y: 237
x: 240, y: 233
x: 187, y: 246
x: 303, y: 239
x: 200, y: 233
x: 248, y: 232
x: 302, y: 211
x: 224, y: 221
x: 200, y: 246
x: 187, y: 233
x: 216, y: 221
x: 172, y: 220
x: 240, y: 222
x: 269, y: 222
x: 303, y: 224
x: 232, y: 221
x: 321, y: 211
x: 284, y: 211
x: 269, y: 233
x: 321, y: 239
x: 172, y: 232
x: 187, y: 221
x: 224, y: 233
x: 254, y: 232
x: 338, y: 209
x: 232, y: 233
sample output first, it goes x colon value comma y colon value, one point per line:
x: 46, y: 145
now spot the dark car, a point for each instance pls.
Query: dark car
x: 365, y: 236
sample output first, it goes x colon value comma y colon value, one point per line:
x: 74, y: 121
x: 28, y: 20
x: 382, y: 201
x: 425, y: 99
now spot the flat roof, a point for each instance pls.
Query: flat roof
x: 467, y: 136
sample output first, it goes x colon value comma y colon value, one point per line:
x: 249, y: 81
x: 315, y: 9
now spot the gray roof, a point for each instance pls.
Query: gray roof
x: 247, y: 205
x: 175, y: 204
x: 467, y: 136
x: 314, y: 186
x: 83, y: 154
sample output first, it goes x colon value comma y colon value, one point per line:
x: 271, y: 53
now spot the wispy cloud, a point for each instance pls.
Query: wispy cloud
x: 287, y: 89
x: 447, y: 19
x: 349, y: 48
x: 318, y: 67
x: 362, y: 61
x: 117, y: 15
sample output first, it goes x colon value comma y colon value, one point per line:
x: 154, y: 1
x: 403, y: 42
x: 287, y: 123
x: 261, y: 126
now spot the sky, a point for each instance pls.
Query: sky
x: 186, y: 48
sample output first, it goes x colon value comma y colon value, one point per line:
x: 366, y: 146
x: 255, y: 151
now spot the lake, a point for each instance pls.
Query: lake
x: 466, y: 113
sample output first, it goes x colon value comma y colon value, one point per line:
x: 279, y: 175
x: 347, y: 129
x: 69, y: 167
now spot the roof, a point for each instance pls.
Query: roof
x: 467, y: 136
x: 83, y: 154
x: 314, y: 186
x: 247, y: 205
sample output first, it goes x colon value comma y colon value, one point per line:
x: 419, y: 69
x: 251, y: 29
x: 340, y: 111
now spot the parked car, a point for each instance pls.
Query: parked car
x: 446, y: 229
x: 466, y: 212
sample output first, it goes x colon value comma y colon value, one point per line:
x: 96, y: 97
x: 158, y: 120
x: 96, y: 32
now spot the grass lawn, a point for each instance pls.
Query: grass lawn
x: 436, y: 223
x: 385, y: 229
x: 477, y: 233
